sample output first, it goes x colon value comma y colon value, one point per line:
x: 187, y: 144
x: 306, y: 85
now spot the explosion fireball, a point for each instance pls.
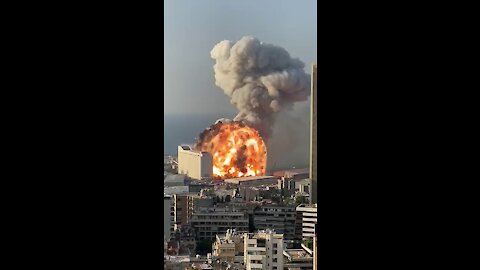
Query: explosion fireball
x: 237, y: 150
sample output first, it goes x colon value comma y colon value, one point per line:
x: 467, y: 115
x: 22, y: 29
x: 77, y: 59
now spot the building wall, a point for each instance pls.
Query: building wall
x: 182, y: 209
x: 209, y: 223
x: 196, y: 165
x: 313, y: 135
x: 167, y: 218
x: 315, y: 250
x: 279, y: 218
x: 307, y: 217
x: 263, y: 251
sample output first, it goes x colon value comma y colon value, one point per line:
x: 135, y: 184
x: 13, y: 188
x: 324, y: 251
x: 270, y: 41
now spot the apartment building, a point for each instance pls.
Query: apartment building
x: 263, y: 250
x: 279, y: 218
x: 208, y: 222
x: 306, y: 219
x: 228, y: 245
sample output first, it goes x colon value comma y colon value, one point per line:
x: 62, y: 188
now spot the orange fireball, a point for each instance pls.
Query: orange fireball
x: 237, y: 150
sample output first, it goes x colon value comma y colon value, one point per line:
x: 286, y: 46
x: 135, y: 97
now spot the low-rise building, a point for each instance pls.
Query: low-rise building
x: 298, y: 259
x: 228, y: 245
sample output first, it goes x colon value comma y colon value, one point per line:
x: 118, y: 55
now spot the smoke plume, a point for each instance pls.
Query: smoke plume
x: 261, y: 80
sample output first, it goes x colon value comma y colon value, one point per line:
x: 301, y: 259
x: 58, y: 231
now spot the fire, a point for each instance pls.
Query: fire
x: 237, y: 150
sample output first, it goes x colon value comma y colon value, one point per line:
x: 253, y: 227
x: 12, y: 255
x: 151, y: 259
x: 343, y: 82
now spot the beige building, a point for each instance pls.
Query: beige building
x: 263, y: 250
x: 313, y: 135
x: 195, y: 164
x: 228, y: 245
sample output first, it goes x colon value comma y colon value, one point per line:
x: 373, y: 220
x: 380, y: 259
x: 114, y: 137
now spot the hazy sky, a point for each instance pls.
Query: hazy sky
x: 193, y: 27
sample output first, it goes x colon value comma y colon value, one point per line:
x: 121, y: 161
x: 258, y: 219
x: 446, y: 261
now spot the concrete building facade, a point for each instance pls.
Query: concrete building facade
x: 183, y: 208
x: 263, y: 251
x: 281, y: 219
x: 305, y: 221
x: 228, y: 245
x: 315, y: 249
x: 208, y: 222
x: 313, y: 135
x: 195, y: 164
x: 167, y: 217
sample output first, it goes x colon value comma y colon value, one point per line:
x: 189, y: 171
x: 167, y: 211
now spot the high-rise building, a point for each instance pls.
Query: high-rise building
x: 167, y: 217
x: 306, y: 220
x: 183, y: 208
x: 263, y: 251
x: 195, y: 164
x: 313, y: 135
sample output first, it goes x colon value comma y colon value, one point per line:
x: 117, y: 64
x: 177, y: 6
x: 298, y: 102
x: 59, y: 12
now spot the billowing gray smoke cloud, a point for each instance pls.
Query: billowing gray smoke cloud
x: 261, y: 80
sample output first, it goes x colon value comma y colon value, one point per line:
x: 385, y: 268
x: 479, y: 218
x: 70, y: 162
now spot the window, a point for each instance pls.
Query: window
x: 274, y: 245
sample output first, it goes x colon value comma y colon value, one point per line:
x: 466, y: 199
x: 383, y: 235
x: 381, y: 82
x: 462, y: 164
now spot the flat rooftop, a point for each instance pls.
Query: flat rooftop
x: 249, y: 178
x: 298, y: 254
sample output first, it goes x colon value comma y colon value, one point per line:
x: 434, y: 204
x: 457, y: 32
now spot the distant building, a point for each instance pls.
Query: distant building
x: 248, y: 193
x: 263, y: 251
x: 313, y: 135
x: 175, y: 190
x: 167, y: 218
x: 174, y: 180
x: 209, y: 222
x: 252, y: 180
x: 195, y: 164
x: 197, y: 187
x: 281, y: 219
x: 305, y: 221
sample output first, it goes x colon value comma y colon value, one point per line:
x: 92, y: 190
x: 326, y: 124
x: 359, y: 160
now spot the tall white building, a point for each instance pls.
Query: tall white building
x: 263, y: 250
x: 167, y: 217
x: 306, y: 221
x: 194, y: 164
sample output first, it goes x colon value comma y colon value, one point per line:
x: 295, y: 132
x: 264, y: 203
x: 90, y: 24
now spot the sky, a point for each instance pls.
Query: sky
x: 193, y: 27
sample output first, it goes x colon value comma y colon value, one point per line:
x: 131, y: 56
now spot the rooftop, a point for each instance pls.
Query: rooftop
x: 249, y: 178
x: 296, y: 254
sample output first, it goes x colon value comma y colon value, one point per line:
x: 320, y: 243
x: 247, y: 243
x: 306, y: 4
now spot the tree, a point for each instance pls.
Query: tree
x: 308, y: 243
x: 299, y: 200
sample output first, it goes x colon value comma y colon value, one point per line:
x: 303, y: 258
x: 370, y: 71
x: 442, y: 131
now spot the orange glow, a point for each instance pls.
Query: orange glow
x: 237, y: 150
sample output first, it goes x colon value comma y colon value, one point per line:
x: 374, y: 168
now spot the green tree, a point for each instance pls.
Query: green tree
x: 308, y: 243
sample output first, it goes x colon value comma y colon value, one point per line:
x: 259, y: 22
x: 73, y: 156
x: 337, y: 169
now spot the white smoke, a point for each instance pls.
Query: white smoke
x: 261, y: 80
